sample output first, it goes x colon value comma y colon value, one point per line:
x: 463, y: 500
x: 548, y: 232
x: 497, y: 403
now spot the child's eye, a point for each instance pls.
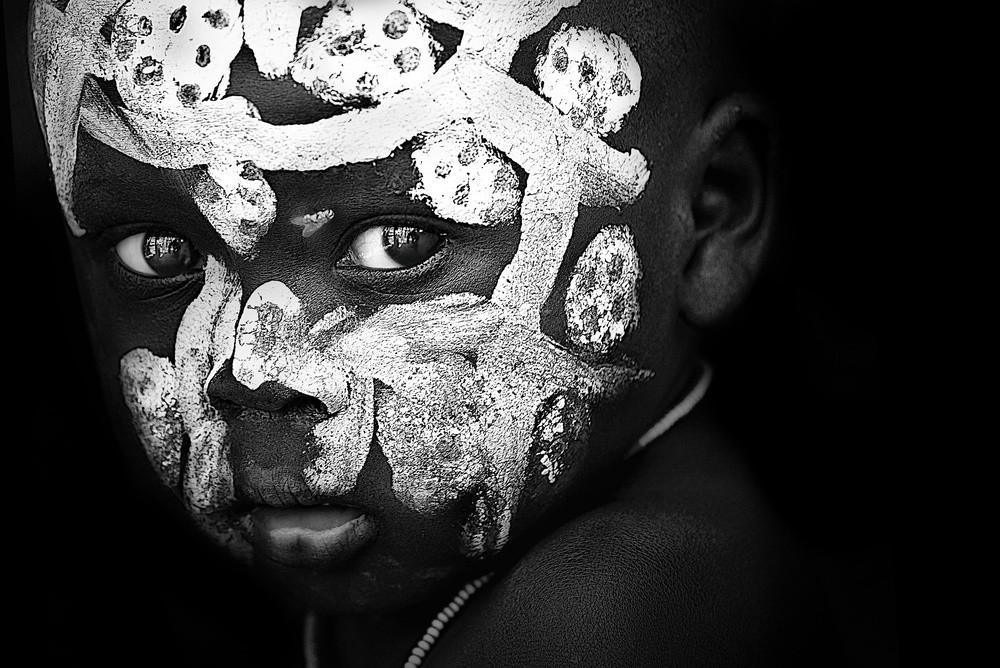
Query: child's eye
x: 159, y: 254
x: 390, y: 247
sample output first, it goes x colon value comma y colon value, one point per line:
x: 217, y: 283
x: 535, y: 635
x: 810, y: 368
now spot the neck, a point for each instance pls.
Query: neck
x: 355, y: 641
x: 386, y: 640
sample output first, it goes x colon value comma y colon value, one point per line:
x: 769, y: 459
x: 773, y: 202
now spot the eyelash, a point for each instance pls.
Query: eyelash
x: 351, y: 235
x: 137, y: 285
x: 144, y: 286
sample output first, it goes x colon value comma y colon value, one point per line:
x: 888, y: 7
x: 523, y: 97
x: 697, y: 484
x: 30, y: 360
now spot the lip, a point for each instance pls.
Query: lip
x: 310, y: 536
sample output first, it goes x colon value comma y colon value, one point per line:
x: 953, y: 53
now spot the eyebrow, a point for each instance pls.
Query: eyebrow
x: 111, y: 189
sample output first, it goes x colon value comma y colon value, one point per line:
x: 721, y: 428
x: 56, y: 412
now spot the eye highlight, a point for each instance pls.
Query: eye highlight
x: 389, y: 247
x: 159, y: 255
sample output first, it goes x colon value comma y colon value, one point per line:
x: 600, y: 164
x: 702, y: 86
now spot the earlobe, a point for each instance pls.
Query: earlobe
x: 731, y: 206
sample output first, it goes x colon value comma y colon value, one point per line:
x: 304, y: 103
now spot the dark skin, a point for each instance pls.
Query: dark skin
x: 687, y: 478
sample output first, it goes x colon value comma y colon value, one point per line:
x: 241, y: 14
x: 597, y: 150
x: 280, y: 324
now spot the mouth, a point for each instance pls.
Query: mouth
x: 310, y: 536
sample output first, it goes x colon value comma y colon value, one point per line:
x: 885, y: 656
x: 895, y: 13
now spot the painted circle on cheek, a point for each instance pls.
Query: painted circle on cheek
x: 602, y: 301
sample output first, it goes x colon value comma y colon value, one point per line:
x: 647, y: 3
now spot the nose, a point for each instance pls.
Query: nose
x: 271, y: 396
x: 277, y: 360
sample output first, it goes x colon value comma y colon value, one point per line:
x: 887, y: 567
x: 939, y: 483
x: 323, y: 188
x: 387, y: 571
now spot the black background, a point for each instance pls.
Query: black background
x: 108, y: 576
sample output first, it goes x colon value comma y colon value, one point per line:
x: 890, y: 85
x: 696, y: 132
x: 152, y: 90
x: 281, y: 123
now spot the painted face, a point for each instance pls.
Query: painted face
x: 321, y: 246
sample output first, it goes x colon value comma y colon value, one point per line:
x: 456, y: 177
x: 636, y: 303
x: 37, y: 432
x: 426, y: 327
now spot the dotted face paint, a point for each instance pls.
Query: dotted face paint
x: 602, y: 301
x: 238, y: 202
x: 464, y: 178
x: 464, y: 395
x: 174, y: 54
x: 591, y: 77
x: 363, y: 50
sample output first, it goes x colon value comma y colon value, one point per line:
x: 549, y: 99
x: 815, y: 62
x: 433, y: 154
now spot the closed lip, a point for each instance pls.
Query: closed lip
x: 322, y: 536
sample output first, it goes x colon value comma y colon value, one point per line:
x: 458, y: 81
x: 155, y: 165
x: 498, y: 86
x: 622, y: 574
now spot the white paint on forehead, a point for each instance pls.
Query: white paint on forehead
x: 205, y: 340
x: 495, y: 31
x: 465, y: 86
x: 149, y: 386
x: 271, y: 30
x: 465, y: 179
x: 591, y: 77
x: 602, y: 300
x: 239, y: 203
x: 171, y: 54
x: 66, y: 48
x: 198, y: 135
x: 451, y: 12
x: 531, y: 133
x: 364, y: 50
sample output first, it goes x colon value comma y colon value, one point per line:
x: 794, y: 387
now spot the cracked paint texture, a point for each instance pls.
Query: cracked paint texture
x: 363, y: 50
x: 591, y: 77
x: 171, y: 54
x: 465, y: 179
x: 602, y: 301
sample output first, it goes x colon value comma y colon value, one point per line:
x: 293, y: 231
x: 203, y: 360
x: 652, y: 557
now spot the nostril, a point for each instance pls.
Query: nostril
x: 303, y: 404
x: 271, y: 396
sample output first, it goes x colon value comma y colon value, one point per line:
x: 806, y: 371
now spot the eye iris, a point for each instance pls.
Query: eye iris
x: 409, y: 245
x: 169, y: 255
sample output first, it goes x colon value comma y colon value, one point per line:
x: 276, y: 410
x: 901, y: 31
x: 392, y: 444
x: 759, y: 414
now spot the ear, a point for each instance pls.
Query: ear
x: 731, y: 205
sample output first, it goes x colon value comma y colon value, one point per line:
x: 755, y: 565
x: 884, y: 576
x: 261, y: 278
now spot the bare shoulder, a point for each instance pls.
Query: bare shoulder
x: 686, y: 565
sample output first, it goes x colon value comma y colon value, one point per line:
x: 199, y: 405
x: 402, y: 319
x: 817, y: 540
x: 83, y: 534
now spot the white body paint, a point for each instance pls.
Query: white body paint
x: 239, y: 203
x: 205, y: 341
x: 271, y: 29
x: 464, y: 178
x: 364, y: 50
x: 602, y: 301
x: 149, y: 385
x: 591, y: 77
x: 171, y: 54
x: 449, y: 428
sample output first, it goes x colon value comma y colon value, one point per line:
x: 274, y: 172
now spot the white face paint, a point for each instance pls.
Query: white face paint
x: 149, y: 384
x: 172, y: 54
x: 602, y: 301
x: 470, y: 393
x: 465, y: 179
x: 363, y: 50
x: 591, y: 77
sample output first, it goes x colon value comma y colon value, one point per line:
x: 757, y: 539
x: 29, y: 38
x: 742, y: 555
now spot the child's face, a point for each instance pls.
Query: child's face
x: 359, y: 295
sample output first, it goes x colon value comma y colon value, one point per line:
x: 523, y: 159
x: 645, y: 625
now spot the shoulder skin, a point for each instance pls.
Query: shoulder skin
x: 686, y: 565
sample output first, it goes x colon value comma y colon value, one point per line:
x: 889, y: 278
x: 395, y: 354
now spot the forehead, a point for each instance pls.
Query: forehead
x: 137, y: 90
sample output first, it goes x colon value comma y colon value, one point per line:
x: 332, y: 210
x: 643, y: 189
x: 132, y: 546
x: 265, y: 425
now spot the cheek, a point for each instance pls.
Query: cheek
x: 149, y: 388
x: 120, y: 323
